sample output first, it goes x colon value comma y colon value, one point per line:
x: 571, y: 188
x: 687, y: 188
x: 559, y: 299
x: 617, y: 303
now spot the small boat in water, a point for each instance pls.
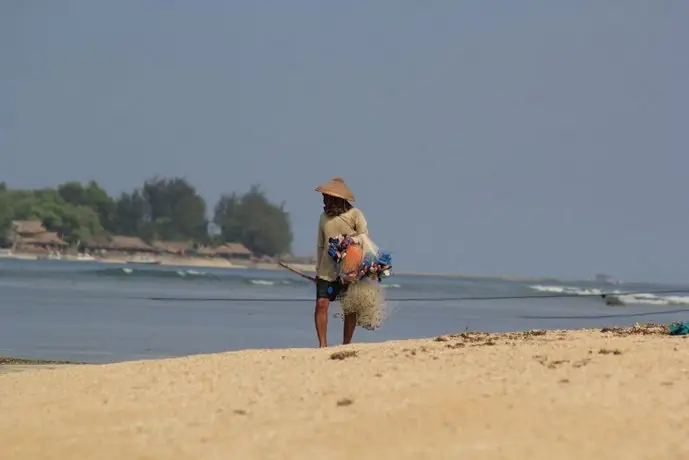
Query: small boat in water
x: 143, y: 260
x: 51, y: 255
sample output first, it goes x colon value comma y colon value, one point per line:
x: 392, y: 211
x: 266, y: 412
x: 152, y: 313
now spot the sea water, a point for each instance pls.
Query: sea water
x: 97, y: 313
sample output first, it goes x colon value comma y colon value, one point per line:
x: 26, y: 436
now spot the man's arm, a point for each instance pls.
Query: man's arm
x: 320, y: 242
x: 360, y: 224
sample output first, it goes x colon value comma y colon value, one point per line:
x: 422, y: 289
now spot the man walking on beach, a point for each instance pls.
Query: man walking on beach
x: 339, y: 217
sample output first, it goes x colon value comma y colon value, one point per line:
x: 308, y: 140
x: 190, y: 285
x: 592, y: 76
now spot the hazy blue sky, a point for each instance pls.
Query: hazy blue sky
x: 502, y: 137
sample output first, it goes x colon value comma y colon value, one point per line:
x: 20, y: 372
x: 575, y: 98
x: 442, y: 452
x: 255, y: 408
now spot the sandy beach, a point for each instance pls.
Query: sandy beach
x: 539, y: 395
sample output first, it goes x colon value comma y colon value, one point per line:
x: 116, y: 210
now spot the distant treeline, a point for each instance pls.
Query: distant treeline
x: 167, y: 209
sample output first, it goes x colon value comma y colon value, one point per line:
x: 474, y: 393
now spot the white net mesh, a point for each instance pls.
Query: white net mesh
x: 365, y: 299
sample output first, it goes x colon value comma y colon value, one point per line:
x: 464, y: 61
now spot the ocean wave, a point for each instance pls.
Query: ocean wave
x: 259, y: 279
x: 134, y: 272
x: 391, y: 286
x: 195, y: 275
x: 158, y: 274
x: 142, y: 272
x: 627, y: 298
x: 280, y: 282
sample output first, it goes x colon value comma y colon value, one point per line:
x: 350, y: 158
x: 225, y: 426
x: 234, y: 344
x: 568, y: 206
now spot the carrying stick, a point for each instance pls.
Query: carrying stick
x: 297, y: 272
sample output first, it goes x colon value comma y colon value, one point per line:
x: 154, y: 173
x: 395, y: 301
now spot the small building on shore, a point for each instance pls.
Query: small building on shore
x: 23, y: 229
x: 44, y: 241
x: 236, y: 251
x: 129, y: 244
x: 229, y: 251
x: 173, y: 248
x: 117, y: 244
x: 32, y: 236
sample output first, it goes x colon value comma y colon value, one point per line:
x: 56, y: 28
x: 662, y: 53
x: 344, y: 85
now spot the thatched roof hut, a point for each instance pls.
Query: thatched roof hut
x: 117, y: 243
x: 44, y: 239
x: 233, y: 250
x: 27, y: 227
x: 129, y: 243
x: 96, y: 242
x: 172, y: 247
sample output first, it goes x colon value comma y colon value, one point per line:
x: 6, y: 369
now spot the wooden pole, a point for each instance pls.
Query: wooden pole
x: 297, y: 272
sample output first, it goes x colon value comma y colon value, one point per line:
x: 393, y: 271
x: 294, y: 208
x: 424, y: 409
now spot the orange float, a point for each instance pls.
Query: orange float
x: 354, y: 257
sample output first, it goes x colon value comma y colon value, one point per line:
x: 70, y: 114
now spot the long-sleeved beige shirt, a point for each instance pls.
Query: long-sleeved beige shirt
x: 350, y: 223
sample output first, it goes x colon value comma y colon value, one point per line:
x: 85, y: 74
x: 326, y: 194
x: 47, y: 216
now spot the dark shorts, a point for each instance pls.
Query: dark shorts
x: 329, y: 289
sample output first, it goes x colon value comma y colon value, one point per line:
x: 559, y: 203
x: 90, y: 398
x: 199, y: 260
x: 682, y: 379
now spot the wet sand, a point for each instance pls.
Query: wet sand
x: 9, y: 364
x: 8, y: 368
x: 561, y: 394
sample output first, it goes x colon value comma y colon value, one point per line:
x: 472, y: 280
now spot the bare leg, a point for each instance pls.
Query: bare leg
x: 320, y: 317
x: 349, y: 326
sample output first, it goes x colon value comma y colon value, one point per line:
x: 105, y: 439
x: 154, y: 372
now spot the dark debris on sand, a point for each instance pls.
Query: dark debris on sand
x: 340, y: 355
x: 482, y: 339
x: 345, y: 402
x: 637, y: 329
x: 7, y: 360
x: 607, y: 351
x: 474, y: 338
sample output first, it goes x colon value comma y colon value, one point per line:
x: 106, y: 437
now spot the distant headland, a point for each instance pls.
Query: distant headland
x: 162, y: 222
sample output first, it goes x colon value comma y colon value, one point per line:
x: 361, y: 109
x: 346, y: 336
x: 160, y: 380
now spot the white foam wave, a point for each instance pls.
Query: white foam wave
x: 391, y: 286
x: 263, y: 282
x: 184, y: 273
x: 636, y: 298
x: 567, y: 290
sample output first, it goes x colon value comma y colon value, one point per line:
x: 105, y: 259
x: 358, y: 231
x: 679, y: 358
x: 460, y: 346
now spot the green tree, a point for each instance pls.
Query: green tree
x: 92, y: 196
x: 72, y: 222
x: 226, y: 216
x: 162, y: 208
x: 129, y: 216
x: 6, y: 214
x: 251, y: 219
x: 175, y: 209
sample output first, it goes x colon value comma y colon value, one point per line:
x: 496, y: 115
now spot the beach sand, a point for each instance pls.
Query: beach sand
x: 557, y: 395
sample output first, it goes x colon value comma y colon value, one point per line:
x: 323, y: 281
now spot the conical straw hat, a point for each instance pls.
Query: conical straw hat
x: 336, y: 187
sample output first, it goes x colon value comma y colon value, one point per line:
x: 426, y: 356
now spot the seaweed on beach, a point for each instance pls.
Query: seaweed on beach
x: 7, y: 360
x: 342, y: 355
x: 524, y: 335
x: 345, y: 402
x: 477, y: 338
x: 637, y: 329
x: 607, y: 351
x: 472, y: 336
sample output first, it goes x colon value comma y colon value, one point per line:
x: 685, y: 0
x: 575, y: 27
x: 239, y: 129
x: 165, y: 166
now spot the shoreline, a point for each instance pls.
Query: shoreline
x: 12, y: 364
x: 609, y: 393
x: 624, y: 331
x: 199, y: 262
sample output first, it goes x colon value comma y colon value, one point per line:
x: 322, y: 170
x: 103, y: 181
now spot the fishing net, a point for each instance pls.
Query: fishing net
x: 358, y: 257
x: 361, y: 265
x: 365, y: 298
